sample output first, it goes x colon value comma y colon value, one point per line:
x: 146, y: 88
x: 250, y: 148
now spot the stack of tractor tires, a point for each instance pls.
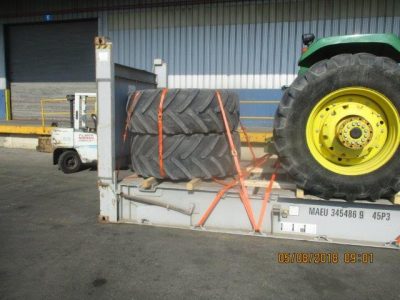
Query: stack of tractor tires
x: 194, y: 144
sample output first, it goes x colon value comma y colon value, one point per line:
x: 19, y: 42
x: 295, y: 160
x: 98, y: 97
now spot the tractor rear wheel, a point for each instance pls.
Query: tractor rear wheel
x: 337, y: 129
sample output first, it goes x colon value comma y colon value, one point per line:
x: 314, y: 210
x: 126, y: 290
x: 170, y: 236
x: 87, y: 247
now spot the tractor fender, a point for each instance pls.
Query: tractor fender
x: 387, y: 45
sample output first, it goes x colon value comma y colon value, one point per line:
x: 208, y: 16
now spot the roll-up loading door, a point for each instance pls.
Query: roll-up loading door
x: 48, y: 60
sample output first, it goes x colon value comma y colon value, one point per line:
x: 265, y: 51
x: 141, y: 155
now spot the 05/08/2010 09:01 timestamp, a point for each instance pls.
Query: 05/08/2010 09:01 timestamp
x: 325, y: 257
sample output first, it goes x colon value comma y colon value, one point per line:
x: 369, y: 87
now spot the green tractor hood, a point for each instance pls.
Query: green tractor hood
x: 378, y: 44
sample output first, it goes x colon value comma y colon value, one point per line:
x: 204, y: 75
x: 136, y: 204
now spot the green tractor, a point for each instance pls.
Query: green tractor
x: 337, y: 128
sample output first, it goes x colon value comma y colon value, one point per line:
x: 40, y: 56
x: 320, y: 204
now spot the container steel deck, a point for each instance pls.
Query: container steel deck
x: 171, y: 204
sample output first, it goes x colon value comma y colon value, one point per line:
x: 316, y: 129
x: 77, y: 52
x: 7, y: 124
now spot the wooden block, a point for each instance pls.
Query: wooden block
x: 264, y: 183
x: 264, y: 170
x: 148, y: 183
x: 192, y: 184
x: 44, y: 144
x: 396, y: 199
x: 252, y: 170
x: 130, y: 177
x: 299, y: 193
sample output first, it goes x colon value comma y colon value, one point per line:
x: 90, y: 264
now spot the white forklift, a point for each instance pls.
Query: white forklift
x: 77, y: 146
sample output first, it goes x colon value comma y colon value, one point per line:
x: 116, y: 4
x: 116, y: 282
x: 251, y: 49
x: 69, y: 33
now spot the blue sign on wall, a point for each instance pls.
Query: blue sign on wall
x: 48, y: 18
x: 2, y: 105
x: 260, y: 114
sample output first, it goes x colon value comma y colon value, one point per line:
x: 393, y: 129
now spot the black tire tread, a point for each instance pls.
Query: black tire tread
x: 62, y: 158
x: 186, y: 111
x: 185, y: 156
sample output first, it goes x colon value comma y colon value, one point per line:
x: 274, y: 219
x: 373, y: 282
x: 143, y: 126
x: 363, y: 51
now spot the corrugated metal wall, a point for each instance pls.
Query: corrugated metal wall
x: 247, y: 44
x: 238, y: 45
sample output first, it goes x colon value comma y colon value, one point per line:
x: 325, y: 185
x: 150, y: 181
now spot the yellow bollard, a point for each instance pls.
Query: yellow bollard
x: 8, y: 104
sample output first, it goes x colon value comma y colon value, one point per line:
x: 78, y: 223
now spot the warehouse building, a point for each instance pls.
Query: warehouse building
x: 46, y: 47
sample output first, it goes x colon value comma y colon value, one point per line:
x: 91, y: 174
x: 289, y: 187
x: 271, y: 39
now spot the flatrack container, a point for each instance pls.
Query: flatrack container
x: 127, y: 198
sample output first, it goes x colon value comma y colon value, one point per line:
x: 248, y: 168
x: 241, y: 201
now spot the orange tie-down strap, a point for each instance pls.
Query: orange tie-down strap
x: 243, y: 191
x: 160, y: 132
x: 267, y: 196
x: 240, y: 179
x: 132, y: 102
x: 227, y: 186
x: 246, y: 136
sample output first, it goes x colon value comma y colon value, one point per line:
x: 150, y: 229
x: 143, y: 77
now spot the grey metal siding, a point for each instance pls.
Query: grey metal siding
x: 252, y: 44
x: 26, y: 96
x: 244, y: 44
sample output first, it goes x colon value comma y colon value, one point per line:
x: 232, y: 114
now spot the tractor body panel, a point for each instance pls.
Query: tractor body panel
x: 387, y: 45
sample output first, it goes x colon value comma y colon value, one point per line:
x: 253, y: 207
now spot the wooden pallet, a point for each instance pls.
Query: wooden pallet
x: 396, y: 199
x: 44, y: 144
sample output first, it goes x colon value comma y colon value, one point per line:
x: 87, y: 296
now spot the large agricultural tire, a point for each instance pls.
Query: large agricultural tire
x: 185, y: 156
x: 359, y: 90
x: 185, y: 111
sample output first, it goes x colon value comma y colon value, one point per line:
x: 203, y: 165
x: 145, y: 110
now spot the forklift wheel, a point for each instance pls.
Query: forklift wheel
x: 69, y: 162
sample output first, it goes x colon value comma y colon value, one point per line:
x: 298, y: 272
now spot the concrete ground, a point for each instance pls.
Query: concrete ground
x: 51, y: 247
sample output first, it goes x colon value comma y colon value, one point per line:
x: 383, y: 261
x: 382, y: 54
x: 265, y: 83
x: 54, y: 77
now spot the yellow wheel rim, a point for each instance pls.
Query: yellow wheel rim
x: 353, y: 131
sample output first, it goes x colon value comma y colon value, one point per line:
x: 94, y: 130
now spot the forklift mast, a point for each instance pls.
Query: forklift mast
x: 84, y: 111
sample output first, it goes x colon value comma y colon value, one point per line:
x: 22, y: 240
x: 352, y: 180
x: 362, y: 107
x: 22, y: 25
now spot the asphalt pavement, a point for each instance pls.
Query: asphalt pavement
x: 52, y: 247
